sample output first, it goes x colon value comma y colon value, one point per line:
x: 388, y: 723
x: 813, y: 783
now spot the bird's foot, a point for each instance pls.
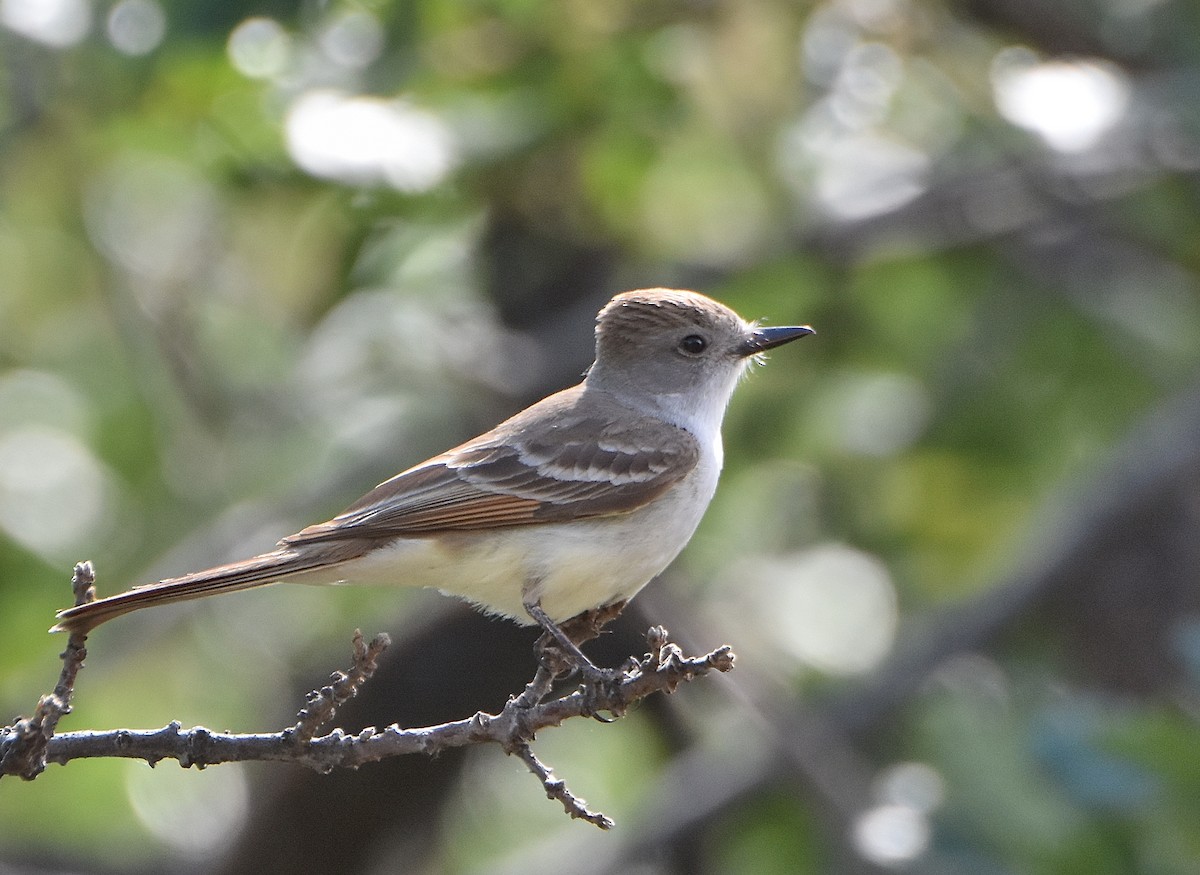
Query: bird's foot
x: 559, y: 652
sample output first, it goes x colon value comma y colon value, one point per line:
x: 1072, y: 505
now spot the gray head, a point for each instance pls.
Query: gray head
x: 678, y: 352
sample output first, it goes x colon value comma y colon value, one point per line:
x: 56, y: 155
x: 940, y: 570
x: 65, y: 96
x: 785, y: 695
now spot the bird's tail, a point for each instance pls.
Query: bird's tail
x: 262, y: 570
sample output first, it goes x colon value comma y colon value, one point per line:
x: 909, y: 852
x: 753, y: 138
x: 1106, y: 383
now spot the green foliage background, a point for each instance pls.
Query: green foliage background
x: 976, y: 487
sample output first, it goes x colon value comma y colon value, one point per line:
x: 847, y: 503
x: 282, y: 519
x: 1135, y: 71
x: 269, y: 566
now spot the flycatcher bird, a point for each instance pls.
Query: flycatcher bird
x: 574, y: 503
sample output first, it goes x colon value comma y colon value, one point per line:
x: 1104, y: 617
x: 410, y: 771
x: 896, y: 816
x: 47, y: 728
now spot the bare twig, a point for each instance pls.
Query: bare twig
x: 23, y: 745
x: 322, y: 704
x: 337, y: 749
x: 557, y: 789
x: 28, y: 745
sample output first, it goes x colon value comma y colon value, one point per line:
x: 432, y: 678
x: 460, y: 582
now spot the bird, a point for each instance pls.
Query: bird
x: 573, y: 504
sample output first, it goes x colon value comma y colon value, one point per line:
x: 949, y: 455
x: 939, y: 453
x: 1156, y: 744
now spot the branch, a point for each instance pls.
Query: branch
x: 322, y: 704
x: 28, y: 745
x: 23, y: 745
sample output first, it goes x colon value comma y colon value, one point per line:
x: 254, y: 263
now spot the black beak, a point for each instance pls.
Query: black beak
x: 767, y: 338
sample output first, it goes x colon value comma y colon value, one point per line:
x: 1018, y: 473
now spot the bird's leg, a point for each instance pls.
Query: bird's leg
x: 571, y: 653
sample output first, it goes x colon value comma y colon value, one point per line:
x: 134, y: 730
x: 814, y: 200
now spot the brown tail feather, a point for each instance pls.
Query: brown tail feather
x: 260, y: 571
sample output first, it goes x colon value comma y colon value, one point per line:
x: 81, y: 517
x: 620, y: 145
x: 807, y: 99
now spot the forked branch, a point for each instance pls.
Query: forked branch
x: 28, y: 744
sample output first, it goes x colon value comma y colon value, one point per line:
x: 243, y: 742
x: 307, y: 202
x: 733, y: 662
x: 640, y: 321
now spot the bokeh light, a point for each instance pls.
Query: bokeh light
x: 831, y: 607
x: 53, y: 492
x: 353, y: 38
x: 259, y: 48
x: 196, y: 816
x: 152, y: 217
x: 891, y: 835
x: 136, y: 27
x: 369, y: 141
x: 1069, y: 104
x: 56, y: 23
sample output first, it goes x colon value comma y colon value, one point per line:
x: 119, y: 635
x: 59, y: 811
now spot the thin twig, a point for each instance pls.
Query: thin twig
x: 338, y: 749
x: 322, y: 705
x: 557, y: 789
x: 27, y: 745
x: 23, y: 745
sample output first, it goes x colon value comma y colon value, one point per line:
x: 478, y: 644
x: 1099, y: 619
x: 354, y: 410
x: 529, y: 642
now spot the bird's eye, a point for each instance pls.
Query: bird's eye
x: 693, y: 344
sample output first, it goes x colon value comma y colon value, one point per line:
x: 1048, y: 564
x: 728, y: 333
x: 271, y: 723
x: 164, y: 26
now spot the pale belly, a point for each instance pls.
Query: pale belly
x: 568, y: 567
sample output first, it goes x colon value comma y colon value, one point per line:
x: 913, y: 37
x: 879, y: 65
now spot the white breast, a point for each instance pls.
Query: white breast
x: 570, y: 567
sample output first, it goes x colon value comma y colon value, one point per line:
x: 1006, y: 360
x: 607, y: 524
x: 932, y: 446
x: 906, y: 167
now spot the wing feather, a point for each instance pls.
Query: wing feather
x: 559, y: 460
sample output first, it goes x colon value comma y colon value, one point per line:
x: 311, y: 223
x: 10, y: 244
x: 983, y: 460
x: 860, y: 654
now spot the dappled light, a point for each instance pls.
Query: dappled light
x: 136, y: 27
x: 54, y: 493
x: 152, y: 217
x: 54, y: 23
x: 52, y: 490
x: 899, y: 827
x: 353, y: 38
x: 892, y: 835
x: 831, y: 608
x: 259, y: 48
x: 364, y: 140
x: 1070, y: 104
x: 195, y: 819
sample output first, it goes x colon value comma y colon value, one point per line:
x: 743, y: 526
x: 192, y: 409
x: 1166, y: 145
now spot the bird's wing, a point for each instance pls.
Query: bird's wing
x: 535, y: 468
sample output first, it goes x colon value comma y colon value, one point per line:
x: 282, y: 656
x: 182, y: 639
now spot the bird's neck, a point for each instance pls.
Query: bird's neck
x: 699, y: 410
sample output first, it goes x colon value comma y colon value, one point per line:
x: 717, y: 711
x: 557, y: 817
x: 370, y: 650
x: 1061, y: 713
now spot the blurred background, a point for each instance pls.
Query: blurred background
x: 257, y: 257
